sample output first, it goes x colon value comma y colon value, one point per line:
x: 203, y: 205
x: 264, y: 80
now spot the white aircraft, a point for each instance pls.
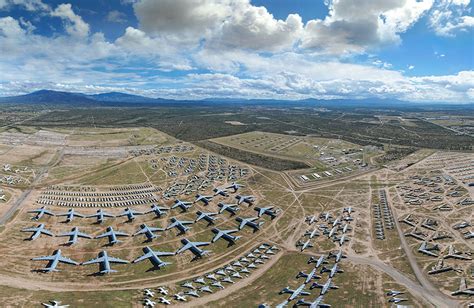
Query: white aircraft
x: 324, y: 287
x: 37, y: 231
x: 310, y: 276
x: 56, y: 304
x: 295, y: 293
x: 149, y: 293
x: 317, y: 303
x: 333, y: 271
x: 304, y: 245
x: 148, y: 303
x: 247, y: 199
x: 235, y: 186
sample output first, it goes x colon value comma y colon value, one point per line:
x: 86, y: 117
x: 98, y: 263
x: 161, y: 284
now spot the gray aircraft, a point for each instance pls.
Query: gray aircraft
x: 209, y: 217
x: 101, y: 215
x: 341, y: 239
x: 112, y: 235
x: 295, y: 293
x: 319, y: 261
x: 37, y: 232
x: 324, y: 287
x: 179, y: 224
x: 424, y: 248
x: 408, y: 221
x: 338, y: 256
x: 304, y: 245
x: 311, y: 219
x: 394, y: 293
x: 70, y: 214
x: 204, y: 199
x: 440, y: 268
x: 194, y: 248
x: 416, y: 234
x: 348, y: 210
x: 130, y: 214
x: 345, y: 228
x: 41, y: 212
x: 231, y: 208
x: 245, y: 199
x: 54, y: 304
x: 235, y: 186
x: 454, y: 254
x: 154, y: 257
x: 148, y: 232
x: 463, y: 289
x: 267, y: 211
x: 74, y: 235
x: 221, y: 192
x: 468, y: 235
x: 183, y: 205
x: 310, y: 276
x: 226, y: 235
x: 325, y: 216
x: 397, y: 300
x: 104, y: 262
x: 312, y: 233
x: 332, y: 271
x: 317, y: 303
x: 54, y: 260
x: 158, y: 210
x: 249, y: 222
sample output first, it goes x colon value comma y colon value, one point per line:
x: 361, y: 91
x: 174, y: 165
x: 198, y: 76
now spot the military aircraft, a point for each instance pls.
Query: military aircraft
x: 452, y: 253
x: 101, y: 214
x: 319, y: 261
x: 416, y: 234
x: 235, y: 186
x: 295, y: 293
x: 332, y: 271
x: 318, y: 302
x: 249, y: 222
x: 342, y: 239
x: 408, y: 221
x: 209, y: 217
x: 130, y: 214
x: 312, y: 233
x: 204, y: 199
x: 148, y: 231
x: 394, y: 293
x: 112, y: 235
x: 267, y: 211
x: 162, y: 290
x: 3, y: 198
x: 188, y: 285
x: 205, y: 289
x: 231, y: 208
x: 148, y: 303
x: 325, y: 216
x: 468, y: 235
x: 180, y: 297
x: 74, y: 235
x: 154, y: 257
x: 222, y: 192
x: 463, y: 289
x: 348, y: 210
x: 324, y: 287
x: 179, y: 224
x: 192, y: 293
x: 304, y: 245
x: 310, y: 276
x: 217, y: 284
x: 440, y: 268
x: 54, y: 260
x: 149, y: 293
x: 158, y: 210
x: 104, y: 262
x: 338, y: 256
x: 70, y: 214
x: 194, y: 248
x: 424, y: 248
x: 164, y: 301
x: 331, y: 232
x: 37, y: 232
x: 247, y: 199
x: 397, y: 300
x: 311, y: 219
x: 336, y: 222
x: 41, y: 212
x: 226, y: 235
x: 183, y: 205
x: 54, y: 304
x: 345, y: 228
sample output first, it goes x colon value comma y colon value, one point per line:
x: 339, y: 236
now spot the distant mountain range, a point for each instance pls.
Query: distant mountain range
x: 118, y: 99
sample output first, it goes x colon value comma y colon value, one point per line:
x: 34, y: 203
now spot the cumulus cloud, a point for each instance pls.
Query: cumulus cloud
x: 451, y: 16
x: 74, y: 24
x: 30, y: 5
x: 116, y: 16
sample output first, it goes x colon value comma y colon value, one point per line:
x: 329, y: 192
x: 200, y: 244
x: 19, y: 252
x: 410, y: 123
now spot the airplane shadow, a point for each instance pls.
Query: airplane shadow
x: 67, y: 244
x: 96, y: 274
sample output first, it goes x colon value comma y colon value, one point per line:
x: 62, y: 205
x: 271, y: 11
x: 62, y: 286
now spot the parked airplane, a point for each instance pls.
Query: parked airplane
x: 130, y: 213
x: 311, y: 219
x: 267, y: 211
x: 325, y: 216
x: 295, y: 293
x: 463, y: 289
x: 231, y: 208
x: 179, y: 224
x: 54, y: 304
x: 312, y: 233
x: 245, y: 199
x: 333, y: 270
x: 394, y: 293
x: 468, y: 235
x: 154, y: 257
x: 342, y: 239
x: 348, y: 210
x: 427, y: 250
x: 149, y: 293
x: 320, y: 261
x: 452, y: 253
x: 337, y: 255
x: 180, y: 297
x: 164, y: 301
x: 226, y: 235
x: 235, y: 186
x: 74, y: 235
x: 183, y: 205
x: 112, y: 235
x: 324, y: 287
x: 408, y: 221
x: 41, y: 212
x: 3, y: 198
x: 101, y: 214
x: 222, y: 192
x: 331, y: 232
x: 194, y: 248
x: 346, y: 228
x: 397, y: 300
x: 310, y: 276
x: 104, y: 262
x: 249, y: 222
x: 304, y: 245
x: 209, y: 217
x: 204, y: 199
x: 54, y: 260
x: 317, y: 303
x: 148, y: 232
x: 440, y: 268
x: 37, y: 231
x: 158, y: 210
x: 70, y: 214
x: 148, y: 303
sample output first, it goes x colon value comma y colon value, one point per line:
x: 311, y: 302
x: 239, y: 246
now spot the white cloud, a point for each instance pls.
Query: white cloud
x: 116, y: 16
x: 74, y: 24
x: 30, y: 5
x: 448, y: 17
x: 410, y: 67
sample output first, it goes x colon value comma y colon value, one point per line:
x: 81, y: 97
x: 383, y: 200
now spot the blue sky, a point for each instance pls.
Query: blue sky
x: 416, y: 50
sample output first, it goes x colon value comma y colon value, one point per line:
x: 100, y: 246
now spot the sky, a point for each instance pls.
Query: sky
x: 412, y: 50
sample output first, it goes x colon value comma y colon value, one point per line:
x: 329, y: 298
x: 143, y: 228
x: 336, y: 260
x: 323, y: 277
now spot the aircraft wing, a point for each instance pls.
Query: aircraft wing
x: 83, y: 235
x: 117, y: 260
x: 66, y: 234
x: 44, y: 258
x: 30, y: 229
x: 96, y: 260
x: 68, y: 261
x: 200, y: 243
x: 141, y: 231
x: 93, y: 215
x: 144, y: 257
x: 218, y: 236
x: 121, y: 233
x: 242, y: 223
x: 184, y: 248
x: 109, y: 233
x: 49, y: 213
x: 108, y: 215
x: 186, y: 222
